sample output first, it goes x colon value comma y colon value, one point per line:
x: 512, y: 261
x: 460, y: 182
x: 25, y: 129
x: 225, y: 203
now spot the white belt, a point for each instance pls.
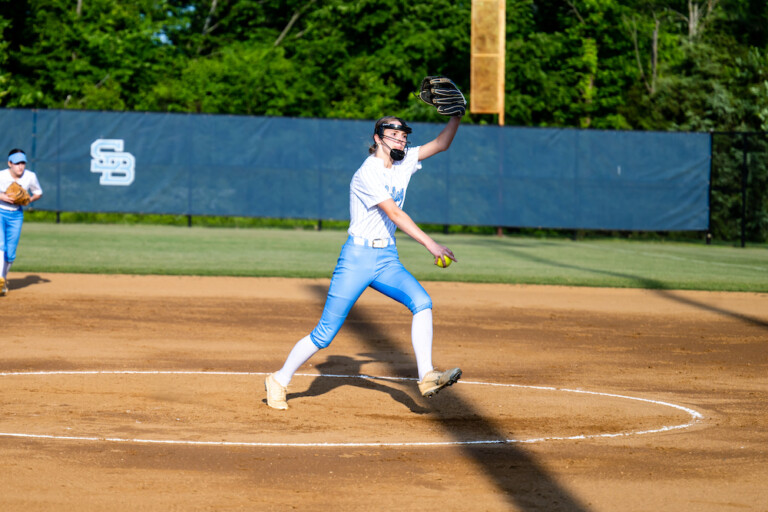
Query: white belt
x: 378, y: 243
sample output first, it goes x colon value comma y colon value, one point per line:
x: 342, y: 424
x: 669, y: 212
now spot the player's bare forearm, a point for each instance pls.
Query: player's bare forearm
x: 442, y: 142
x: 404, y: 222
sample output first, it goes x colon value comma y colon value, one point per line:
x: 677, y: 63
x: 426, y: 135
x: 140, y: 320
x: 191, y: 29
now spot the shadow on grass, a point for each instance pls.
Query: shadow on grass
x: 524, y: 482
x: 656, y: 286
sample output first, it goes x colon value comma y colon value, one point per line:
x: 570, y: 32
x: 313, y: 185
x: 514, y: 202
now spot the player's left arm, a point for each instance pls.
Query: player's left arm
x: 403, y: 221
x: 35, y: 190
x: 442, y: 142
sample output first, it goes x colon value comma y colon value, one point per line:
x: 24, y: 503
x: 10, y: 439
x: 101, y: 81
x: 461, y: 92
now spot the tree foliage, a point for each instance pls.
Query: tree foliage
x: 609, y: 64
x: 699, y: 65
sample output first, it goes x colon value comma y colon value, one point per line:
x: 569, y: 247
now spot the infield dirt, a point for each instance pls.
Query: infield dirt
x: 216, y: 338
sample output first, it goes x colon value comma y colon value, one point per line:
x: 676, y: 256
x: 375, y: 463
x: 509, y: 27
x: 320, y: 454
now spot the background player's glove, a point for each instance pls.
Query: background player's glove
x: 17, y: 194
x: 442, y: 93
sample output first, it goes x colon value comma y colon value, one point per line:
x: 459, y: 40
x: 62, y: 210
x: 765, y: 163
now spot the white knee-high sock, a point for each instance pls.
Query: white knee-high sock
x: 6, y: 268
x: 302, y: 351
x: 421, y: 337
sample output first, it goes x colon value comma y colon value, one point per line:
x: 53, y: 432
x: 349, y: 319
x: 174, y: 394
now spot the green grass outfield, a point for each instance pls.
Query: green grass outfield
x: 174, y: 250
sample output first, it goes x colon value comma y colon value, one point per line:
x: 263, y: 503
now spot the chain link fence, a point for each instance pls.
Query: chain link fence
x: 739, y: 187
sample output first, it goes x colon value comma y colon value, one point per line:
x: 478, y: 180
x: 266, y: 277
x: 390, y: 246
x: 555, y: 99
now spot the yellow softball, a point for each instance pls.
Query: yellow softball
x: 444, y: 262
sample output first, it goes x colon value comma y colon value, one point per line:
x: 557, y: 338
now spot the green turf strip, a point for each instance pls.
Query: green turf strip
x: 177, y: 250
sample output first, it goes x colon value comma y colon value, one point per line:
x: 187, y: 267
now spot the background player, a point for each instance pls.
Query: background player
x: 12, y: 215
x: 370, y: 258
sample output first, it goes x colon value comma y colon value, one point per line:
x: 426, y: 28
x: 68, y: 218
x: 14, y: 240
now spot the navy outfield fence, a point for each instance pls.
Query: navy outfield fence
x: 223, y: 165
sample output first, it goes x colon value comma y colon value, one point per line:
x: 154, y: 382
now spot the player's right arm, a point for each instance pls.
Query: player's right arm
x: 403, y: 221
x: 3, y: 196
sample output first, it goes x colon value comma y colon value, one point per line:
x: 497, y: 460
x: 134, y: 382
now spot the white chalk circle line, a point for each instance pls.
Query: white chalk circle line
x: 695, y: 416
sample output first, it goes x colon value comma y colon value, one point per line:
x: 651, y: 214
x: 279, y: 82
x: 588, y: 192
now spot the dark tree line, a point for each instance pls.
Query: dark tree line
x: 695, y: 65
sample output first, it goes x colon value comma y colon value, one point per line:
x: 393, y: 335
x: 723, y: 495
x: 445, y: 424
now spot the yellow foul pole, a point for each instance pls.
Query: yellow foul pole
x: 487, y: 59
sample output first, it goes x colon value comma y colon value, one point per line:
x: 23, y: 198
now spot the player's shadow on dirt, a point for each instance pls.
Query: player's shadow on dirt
x: 524, y: 482
x: 350, y: 368
x: 16, y: 284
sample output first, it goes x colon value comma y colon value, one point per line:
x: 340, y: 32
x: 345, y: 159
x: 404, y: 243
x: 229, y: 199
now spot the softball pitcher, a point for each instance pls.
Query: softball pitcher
x: 369, y: 257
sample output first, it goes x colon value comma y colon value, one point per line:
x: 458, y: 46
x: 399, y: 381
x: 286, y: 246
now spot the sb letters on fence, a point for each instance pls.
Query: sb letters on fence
x: 223, y: 165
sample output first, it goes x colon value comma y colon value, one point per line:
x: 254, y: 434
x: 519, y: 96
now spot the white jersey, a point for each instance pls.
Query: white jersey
x: 374, y: 183
x: 28, y: 181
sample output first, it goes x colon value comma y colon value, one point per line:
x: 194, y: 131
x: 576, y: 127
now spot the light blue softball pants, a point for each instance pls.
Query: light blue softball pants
x: 359, y: 267
x: 10, y: 232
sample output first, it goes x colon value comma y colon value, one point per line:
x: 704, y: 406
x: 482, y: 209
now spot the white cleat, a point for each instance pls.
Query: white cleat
x: 436, y: 380
x: 275, y: 393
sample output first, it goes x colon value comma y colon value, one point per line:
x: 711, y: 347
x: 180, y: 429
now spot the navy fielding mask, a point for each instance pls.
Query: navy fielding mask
x: 395, y: 154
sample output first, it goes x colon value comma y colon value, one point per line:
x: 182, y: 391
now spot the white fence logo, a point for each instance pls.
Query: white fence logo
x: 116, y: 167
